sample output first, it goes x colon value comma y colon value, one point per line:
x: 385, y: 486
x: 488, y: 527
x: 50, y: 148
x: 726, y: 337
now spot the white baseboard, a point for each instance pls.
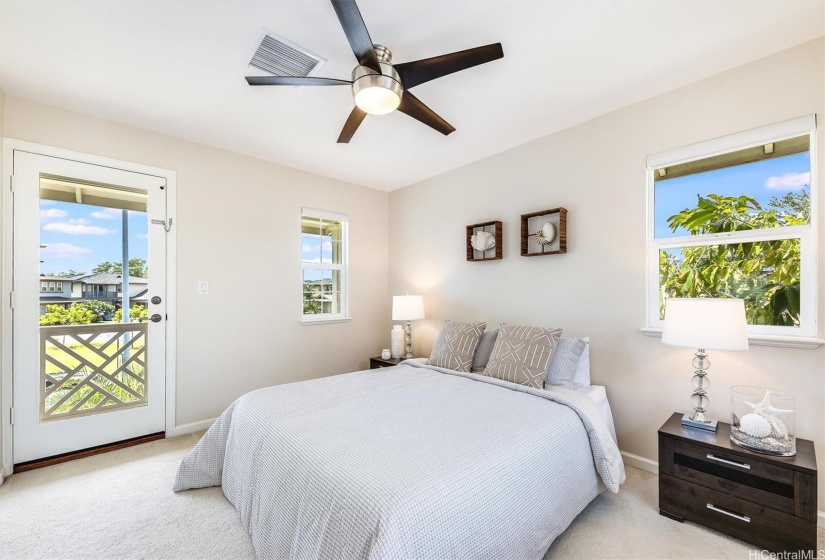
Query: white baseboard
x: 642, y: 463
x: 651, y: 466
x: 191, y: 427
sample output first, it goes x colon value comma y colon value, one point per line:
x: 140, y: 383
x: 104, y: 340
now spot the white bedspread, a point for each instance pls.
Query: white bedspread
x: 406, y: 462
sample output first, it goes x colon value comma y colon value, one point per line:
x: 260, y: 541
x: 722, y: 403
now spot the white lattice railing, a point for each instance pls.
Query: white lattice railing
x: 89, y: 369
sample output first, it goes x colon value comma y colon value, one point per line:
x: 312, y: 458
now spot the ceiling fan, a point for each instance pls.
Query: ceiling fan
x: 379, y: 86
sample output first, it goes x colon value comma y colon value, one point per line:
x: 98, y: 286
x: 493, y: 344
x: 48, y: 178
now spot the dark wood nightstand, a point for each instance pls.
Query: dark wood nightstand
x: 379, y: 362
x: 765, y: 500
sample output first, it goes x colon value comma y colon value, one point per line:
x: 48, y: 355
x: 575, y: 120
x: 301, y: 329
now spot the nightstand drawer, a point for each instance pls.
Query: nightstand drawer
x: 743, y: 478
x: 734, y: 463
x: 760, y: 525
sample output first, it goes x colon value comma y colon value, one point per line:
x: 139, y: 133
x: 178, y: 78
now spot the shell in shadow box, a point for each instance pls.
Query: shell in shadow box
x: 482, y: 241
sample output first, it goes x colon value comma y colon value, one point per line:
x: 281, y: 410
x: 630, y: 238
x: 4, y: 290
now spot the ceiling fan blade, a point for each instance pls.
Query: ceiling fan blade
x: 421, y: 71
x: 294, y: 81
x: 356, y: 32
x: 413, y: 107
x: 353, y: 122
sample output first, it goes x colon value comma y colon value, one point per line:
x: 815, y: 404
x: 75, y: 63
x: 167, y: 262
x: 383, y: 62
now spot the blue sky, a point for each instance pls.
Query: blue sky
x: 81, y: 236
x: 761, y: 180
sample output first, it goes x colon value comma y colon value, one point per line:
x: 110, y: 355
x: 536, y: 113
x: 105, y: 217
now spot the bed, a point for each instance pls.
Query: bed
x: 408, y: 462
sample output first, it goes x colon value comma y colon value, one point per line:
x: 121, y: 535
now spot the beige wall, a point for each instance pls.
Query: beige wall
x: 2, y: 124
x: 238, y: 227
x: 597, y: 171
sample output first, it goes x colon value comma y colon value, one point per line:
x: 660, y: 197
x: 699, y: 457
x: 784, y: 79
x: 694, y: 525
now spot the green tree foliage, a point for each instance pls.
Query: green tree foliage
x: 311, y: 304
x: 137, y: 268
x: 136, y: 313
x: 66, y: 274
x: 78, y: 313
x: 766, y: 274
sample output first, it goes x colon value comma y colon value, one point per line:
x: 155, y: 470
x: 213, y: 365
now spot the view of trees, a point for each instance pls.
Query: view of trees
x: 766, y: 274
x: 136, y: 313
x: 78, y: 313
x: 311, y: 304
x: 137, y: 267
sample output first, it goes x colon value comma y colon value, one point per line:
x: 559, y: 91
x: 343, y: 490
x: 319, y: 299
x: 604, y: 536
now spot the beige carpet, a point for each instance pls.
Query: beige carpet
x: 120, y: 505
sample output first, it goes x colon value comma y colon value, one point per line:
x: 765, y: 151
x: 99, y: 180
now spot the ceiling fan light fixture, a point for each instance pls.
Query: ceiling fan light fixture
x: 374, y: 93
x: 377, y: 100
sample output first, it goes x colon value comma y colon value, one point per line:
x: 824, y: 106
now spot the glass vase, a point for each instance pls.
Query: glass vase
x: 397, y: 341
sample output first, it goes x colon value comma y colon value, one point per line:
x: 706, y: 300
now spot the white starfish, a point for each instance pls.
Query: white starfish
x: 767, y: 411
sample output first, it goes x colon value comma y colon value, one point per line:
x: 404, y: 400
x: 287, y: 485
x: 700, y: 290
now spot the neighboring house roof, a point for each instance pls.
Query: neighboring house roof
x: 54, y: 278
x: 108, y: 279
x: 52, y: 299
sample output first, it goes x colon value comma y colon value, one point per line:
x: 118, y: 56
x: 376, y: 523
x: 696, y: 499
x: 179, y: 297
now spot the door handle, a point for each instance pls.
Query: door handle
x: 156, y: 318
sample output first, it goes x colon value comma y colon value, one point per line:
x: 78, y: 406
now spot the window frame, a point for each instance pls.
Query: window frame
x: 802, y: 336
x: 342, y: 268
x: 44, y: 286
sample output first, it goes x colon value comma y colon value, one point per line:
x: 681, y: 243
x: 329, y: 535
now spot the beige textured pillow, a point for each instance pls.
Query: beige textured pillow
x: 456, y: 345
x: 521, y: 354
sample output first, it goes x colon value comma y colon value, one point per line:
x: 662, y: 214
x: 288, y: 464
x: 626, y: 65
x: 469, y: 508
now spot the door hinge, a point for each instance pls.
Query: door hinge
x: 11, y: 416
x: 11, y: 300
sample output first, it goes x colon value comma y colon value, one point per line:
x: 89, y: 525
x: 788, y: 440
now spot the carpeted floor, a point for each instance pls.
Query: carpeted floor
x: 120, y: 505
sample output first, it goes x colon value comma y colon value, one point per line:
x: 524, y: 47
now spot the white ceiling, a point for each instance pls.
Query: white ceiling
x: 177, y: 68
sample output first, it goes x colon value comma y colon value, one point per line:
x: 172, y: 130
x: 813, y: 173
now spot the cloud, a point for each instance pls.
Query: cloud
x: 789, y: 182
x: 142, y: 236
x: 53, y: 213
x: 77, y: 227
x: 63, y: 251
x: 107, y: 214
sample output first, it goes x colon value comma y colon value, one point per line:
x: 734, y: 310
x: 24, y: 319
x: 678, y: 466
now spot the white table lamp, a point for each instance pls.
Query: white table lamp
x: 407, y: 308
x: 705, y: 324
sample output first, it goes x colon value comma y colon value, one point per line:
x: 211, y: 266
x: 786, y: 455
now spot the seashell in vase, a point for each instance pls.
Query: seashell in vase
x: 755, y: 425
x: 482, y: 241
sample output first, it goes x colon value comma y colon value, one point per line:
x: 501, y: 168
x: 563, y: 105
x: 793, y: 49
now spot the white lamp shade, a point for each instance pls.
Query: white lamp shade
x: 407, y: 308
x: 706, y: 323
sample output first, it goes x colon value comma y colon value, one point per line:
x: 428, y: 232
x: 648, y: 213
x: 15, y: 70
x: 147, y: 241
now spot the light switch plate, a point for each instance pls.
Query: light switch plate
x: 203, y: 287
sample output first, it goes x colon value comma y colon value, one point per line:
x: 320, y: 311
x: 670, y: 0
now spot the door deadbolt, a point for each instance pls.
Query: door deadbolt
x: 156, y: 318
x: 156, y: 300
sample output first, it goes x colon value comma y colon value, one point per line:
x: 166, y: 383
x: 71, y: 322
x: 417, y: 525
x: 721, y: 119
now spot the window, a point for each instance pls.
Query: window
x: 51, y: 286
x: 324, y: 265
x: 44, y: 286
x: 60, y: 286
x: 733, y: 217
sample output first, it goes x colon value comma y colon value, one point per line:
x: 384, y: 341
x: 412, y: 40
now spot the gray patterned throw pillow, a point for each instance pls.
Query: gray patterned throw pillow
x: 456, y: 345
x: 562, y: 368
x: 521, y: 354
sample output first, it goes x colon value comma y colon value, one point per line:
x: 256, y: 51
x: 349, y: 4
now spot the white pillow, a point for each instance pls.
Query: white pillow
x: 582, y: 377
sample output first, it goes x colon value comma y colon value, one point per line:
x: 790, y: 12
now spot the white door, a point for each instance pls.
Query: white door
x: 86, y: 373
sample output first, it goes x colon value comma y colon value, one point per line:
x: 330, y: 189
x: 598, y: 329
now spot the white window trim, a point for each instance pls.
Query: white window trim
x: 326, y: 318
x: 805, y: 336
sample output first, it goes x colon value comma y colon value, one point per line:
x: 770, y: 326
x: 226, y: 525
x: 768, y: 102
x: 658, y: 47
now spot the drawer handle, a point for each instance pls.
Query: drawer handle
x: 744, y: 518
x: 732, y: 463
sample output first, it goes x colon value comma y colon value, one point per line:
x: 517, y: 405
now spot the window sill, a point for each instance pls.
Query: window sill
x: 330, y: 321
x: 804, y: 342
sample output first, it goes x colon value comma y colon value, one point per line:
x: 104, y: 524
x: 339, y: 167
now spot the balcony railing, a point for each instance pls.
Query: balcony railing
x: 101, y: 295
x: 89, y: 369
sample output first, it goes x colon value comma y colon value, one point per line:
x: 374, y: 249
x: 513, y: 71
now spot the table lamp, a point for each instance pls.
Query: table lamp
x: 407, y: 308
x: 705, y: 324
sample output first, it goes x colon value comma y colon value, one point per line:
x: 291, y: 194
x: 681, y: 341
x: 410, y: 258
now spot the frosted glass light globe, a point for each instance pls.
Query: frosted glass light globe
x: 377, y: 100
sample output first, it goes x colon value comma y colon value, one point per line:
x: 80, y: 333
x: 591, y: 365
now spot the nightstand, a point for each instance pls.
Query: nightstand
x: 379, y: 362
x: 764, y: 500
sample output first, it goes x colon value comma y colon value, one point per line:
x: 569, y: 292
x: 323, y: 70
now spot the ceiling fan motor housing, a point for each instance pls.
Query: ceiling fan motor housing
x: 377, y: 93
